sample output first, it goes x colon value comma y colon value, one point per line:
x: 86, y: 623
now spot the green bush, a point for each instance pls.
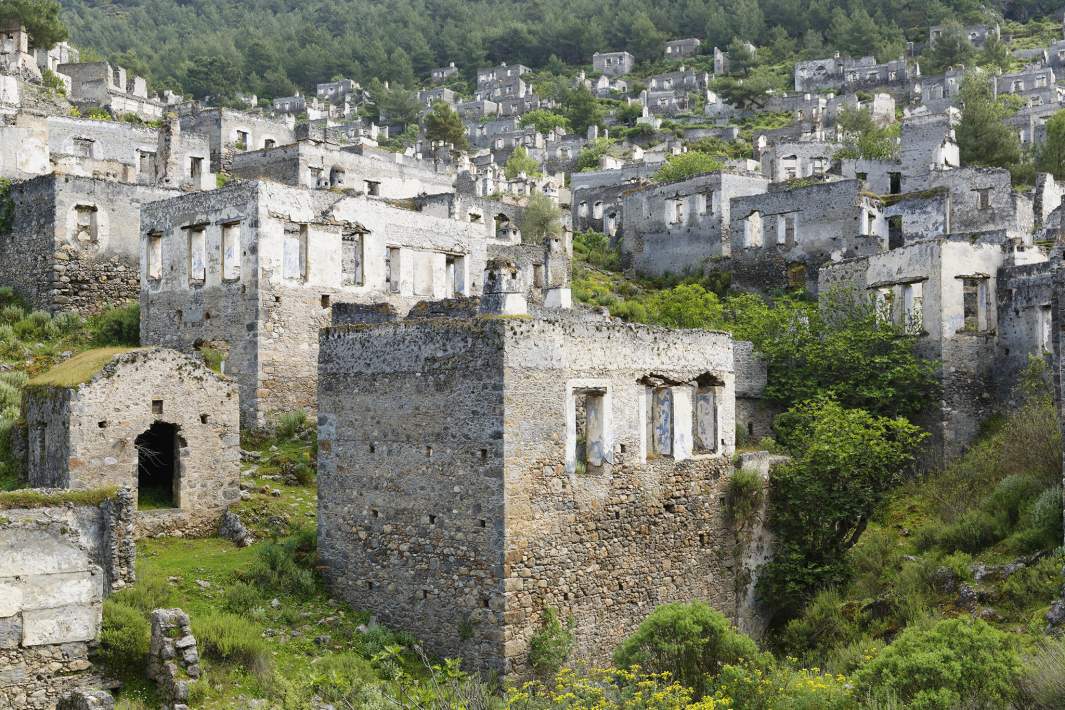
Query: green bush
x: 743, y: 496
x: 1011, y: 495
x: 956, y: 662
x: 285, y: 567
x: 241, y: 597
x: 769, y: 686
x: 228, y: 637
x: 291, y: 424
x: 688, y: 641
x: 120, y: 325
x: 1041, y: 522
x: 975, y: 530
x: 551, y: 644
x: 12, y: 314
x: 124, y: 638
x: 825, y: 624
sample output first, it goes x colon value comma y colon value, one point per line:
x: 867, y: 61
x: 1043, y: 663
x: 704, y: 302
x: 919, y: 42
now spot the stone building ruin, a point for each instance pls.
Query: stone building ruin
x: 153, y: 420
x: 58, y: 560
x: 475, y: 471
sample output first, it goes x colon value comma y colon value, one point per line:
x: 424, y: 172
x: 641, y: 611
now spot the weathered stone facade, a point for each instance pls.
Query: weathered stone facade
x: 474, y: 472
x: 270, y: 261
x: 154, y: 420
x: 57, y: 562
x: 230, y: 132
x: 73, y: 243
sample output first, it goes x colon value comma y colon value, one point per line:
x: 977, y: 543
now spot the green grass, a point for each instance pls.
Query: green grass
x: 79, y: 369
x: 10, y: 500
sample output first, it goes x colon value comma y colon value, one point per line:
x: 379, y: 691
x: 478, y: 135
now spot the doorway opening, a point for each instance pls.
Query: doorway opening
x: 157, y: 467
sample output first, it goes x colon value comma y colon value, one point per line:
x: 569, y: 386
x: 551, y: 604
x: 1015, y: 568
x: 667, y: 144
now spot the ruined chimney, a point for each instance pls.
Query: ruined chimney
x: 504, y: 290
x: 167, y: 160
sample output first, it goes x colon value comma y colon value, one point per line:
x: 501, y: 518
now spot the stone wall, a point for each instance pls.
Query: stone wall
x: 223, y: 128
x: 333, y: 166
x: 268, y: 318
x: 754, y: 413
x: 84, y: 437
x: 55, y: 262
x: 57, y: 562
x: 681, y: 227
x: 1025, y: 297
x: 451, y: 502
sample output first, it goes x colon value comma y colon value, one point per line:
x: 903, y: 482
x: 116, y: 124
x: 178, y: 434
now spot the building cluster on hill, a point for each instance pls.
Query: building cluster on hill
x: 487, y: 450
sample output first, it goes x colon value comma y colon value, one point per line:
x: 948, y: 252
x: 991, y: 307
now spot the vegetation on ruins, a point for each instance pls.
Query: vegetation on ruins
x: 40, y: 17
x: 1050, y: 156
x: 444, y: 125
x: 521, y: 162
x: 864, y: 139
x: 541, y: 219
x: 687, y: 165
x: 983, y: 138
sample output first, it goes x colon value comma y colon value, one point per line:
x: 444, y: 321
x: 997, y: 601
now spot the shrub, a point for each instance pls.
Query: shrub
x: 1042, y: 686
x: 551, y: 644
x: 954, y: 662
x: 228, y: 637
x: 12, y: 314
x: 771, y: 687
x: 241, y: 597
x: 688, y: 641
x: 1034, y: 585
x: 1011, y: 495
x: 606, y: 688
x: 1041, y: 522
x: 744, y: 496
x: 124, y: 639
x: 118, y: 326
x: 68, y: 323
x: 291, y: 424
x: 824, y: 624
x: 975, y: 530
x: 285, y: 567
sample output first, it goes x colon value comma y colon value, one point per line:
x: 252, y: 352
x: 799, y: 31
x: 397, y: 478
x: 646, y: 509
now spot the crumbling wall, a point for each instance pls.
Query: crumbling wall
x: 754, y: 413
x: 1025, y: 298
x: 58, y: 560
x: 410, y: 476
x: 97, y: 423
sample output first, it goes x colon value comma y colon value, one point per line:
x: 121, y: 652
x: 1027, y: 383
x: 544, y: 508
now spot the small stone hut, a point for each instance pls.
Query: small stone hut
x: 153, y: 419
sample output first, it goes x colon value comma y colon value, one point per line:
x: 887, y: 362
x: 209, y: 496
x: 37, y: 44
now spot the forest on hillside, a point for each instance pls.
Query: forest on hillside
x: 276, y: 47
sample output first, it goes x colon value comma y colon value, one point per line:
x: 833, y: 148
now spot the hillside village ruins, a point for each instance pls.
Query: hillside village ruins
x: 395, y: 296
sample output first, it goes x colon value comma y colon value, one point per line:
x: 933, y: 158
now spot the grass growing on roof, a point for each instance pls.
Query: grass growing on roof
x: 78, y: 369
x: 30, y: 498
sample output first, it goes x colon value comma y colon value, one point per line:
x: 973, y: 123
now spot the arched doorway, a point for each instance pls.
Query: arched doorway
x: 157, y: 467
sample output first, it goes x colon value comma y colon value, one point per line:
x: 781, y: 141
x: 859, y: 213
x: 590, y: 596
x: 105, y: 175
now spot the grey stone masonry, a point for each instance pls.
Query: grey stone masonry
x: 73, y: 242
x: 58, y: 560
x: 474, y: 472
x: 253, y: 269
x: 150, y: 419
x: 173, y: 659
x: 86, y: 700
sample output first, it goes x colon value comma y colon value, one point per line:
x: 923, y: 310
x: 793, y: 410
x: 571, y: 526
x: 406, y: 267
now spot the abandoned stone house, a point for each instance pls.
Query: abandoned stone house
x: 59, y: 560
x: 927, y: 145
x: 838, y: 72
x: 153, y: 420
x: 74, y: 242
x: 476, y: 471
x: 679, y: 227
x: 252, y: 270
x: 613, y: 63
x: 359, y: 168
x: 230, y: 132
x: 15, y: 56
x: 780, y: 238
x: 681, y: 48
x: 976, y: 34
x: 1036, y: 85
x: 100, y: 84
x: 441, y: 74
x: 959, y: 293
x: 789, y: 160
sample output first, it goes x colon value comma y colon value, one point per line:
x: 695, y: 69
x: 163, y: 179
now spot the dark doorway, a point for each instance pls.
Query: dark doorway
x: 157, y: 467
x: 895, y: 239
x: 896, y: 183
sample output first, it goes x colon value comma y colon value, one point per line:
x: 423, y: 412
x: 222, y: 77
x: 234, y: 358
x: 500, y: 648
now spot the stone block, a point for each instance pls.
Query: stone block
x: 28, y: 552
x: 56, y: 590
x: 10, y: 632
x: 10, y: 598
x: 61, y: 625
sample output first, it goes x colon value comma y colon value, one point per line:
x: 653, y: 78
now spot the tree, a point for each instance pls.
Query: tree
x: 581, y: 109
x: 687, y: 165
x: 396, y: 105
x: 690, y: 642
x: 544, y: 121
x: 863, y: 138
x: 751, y: 92
x: 951, y: 48
x: 995, y: 54
x: 40, y: 17
x: 685, y: 306
x: 541, y: 219
x: 214, y: 75
x: 591, y: 154
x: 521, y: 162
x: 841, y: 348
x: 983, y: 137
x: 1050, y: 157
x: 843, y: 462
x: 629, y: 113
x: 444, y: 125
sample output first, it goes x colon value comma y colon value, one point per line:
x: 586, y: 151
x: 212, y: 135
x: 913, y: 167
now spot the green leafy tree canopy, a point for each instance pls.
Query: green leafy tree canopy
x: 444, y: 125
x: 687, y: 165
x: 40, y: 17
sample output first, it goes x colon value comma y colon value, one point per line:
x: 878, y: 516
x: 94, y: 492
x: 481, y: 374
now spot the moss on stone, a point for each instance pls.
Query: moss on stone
x: 78, y: 369
x: 36, y: 498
